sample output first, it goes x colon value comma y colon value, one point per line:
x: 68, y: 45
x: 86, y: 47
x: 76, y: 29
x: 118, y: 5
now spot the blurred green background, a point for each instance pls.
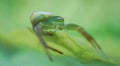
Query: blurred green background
x: 101, y: 18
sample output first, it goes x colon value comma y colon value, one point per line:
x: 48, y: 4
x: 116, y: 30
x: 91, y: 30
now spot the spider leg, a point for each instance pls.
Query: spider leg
x: 38, y: 31
x: 85, y: 34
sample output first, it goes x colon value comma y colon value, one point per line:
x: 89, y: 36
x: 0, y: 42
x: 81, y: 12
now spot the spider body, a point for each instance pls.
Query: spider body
x: 47, y: 23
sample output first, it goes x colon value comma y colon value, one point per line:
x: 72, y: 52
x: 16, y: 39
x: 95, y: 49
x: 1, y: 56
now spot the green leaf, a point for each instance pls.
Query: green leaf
x: 17, y: 43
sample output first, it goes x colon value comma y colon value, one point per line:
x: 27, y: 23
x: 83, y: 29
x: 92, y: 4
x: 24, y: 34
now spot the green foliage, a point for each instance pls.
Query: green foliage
x: 26, y: 41
x: 20, y: 47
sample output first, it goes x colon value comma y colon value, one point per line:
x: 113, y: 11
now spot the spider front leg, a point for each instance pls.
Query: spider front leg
x: 85, y: 34
x: 38, y: 31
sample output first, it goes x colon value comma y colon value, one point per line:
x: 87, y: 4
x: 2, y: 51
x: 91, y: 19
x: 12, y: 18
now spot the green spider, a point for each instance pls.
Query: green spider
x: 46, y: 23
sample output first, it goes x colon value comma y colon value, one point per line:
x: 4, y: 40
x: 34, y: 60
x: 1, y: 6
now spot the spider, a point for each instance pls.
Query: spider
x: 45, y: 23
